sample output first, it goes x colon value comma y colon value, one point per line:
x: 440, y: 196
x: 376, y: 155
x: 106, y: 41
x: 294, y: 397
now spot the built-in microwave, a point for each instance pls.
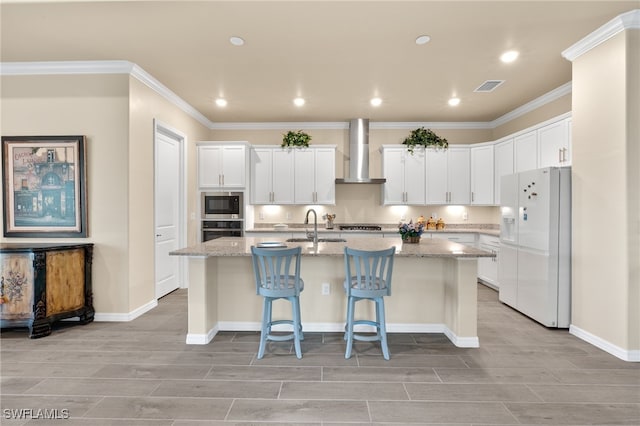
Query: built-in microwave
x: 222, y: 205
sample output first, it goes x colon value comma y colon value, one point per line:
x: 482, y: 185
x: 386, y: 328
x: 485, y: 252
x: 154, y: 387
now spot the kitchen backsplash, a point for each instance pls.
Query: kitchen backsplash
x: 361, y: 204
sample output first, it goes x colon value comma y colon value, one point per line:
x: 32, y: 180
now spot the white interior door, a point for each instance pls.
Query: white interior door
x: 169, y: 207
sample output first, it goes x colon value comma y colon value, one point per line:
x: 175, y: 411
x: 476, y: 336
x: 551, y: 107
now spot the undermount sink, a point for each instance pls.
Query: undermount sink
x: 320, y: 240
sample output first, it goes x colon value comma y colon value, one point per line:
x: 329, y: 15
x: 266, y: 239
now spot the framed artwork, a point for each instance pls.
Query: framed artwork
x: 44, y: 181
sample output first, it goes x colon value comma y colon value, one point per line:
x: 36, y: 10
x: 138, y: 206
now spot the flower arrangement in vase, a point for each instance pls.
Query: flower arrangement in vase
x: 411, y: 232
x: 328, y: 224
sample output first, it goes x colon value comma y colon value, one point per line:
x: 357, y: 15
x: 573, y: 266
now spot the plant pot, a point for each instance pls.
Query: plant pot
x: 411, y: 240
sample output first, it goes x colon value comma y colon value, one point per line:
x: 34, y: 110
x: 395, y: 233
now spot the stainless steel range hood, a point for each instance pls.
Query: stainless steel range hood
x: 359, y: 154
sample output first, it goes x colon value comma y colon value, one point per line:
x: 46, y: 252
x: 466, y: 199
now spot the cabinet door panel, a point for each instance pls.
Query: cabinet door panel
x: 209, y: 171
x: 304, y: 176
x: 393, y: 171
x: 233, y: 167
x: 437, y: 191
x: 503, y: 165
x: 283, y: 176
x: 553, y: 144
x: 325, y: 174
x: 414, y: 177
x: 458, y: 176
x: 482, y: 175
x: 526, y: 152
x: 261, y: 179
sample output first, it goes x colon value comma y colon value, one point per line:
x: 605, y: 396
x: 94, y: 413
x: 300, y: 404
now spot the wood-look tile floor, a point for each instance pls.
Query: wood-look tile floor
x: 142, y: 373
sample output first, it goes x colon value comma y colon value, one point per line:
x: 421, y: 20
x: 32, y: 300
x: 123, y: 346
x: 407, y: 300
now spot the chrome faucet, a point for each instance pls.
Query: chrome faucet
x: 315, y: 224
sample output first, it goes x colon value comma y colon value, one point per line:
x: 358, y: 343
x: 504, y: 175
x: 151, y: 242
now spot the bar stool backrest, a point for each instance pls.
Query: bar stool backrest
x: 277, y: 271
x: 369, y: 272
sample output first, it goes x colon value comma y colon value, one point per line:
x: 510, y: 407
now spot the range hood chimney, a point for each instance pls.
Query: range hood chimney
x: 359, y: 153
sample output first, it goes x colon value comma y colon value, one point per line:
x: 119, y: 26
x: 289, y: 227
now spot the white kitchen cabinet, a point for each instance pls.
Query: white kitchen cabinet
x: 488, y: 266
x: 554, y: 144
x: 405, y: 175
x: 482, y: 172
x: 272, y: 176
x: 221, y: 166
x: 526, y: 151
x: 315, y: 175
x: 503, y: 165
x: 448, y: 176
x: 467, y: 238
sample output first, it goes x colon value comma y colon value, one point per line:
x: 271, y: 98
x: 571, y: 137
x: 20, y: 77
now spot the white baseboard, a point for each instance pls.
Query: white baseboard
x: 125, y: 316
x: 623, y: 354
x: 462, y: 342
x: 202, y: 339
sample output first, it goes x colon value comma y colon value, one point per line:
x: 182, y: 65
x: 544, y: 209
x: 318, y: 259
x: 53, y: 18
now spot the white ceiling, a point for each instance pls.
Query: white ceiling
x: 337, y: 55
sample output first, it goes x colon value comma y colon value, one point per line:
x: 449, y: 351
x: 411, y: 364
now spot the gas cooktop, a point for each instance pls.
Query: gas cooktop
x: 360, y: 228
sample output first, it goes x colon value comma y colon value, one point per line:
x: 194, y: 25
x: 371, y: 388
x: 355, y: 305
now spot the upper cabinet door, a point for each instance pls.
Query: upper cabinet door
x: 437, y: 167
x: 405, y: 176
x: 305, y: 180
x: 393, y: 171
x: 221, y: 166
x: 283, y: 177
x: 271, y: 176
x: 261, y: 175
x: 233, y: 166
x: 503, y: 165
x: 459, y: 176
x: 209, y: 166
x: 526, y: 151
x: 554, y: 145
x: 482, y: 175
x: 325, y: 174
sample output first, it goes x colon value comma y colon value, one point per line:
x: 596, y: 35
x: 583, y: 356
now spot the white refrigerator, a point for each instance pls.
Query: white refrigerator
x: 534, y: 269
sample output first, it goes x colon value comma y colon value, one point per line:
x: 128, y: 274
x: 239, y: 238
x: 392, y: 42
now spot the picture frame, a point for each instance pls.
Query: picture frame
x: 44, y: 181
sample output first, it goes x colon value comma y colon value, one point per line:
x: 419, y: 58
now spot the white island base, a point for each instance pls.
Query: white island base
x: 429, y: 293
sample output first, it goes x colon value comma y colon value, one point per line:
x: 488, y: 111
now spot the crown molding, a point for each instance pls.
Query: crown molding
x: 628, y: 20
x: 126, y: 67
x: 548, y: 97
x: 103, y: 67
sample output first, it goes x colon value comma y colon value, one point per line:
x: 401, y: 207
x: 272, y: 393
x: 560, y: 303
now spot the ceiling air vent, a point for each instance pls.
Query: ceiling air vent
x: 489, y: 86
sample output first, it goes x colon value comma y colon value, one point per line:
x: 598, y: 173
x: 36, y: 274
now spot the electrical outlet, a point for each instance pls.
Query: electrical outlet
x: 465, y: 215
x: 434, y: 215
x: 288, y: 215
x: 326, y: 289
x: 261, y: 215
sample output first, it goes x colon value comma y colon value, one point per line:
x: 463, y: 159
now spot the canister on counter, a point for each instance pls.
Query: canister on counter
x: 440, y: 224
x: 431, y: 223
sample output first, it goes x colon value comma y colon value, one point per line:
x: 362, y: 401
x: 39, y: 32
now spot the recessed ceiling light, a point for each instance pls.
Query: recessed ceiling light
x: 423, y: 39
x: 376, y: 102
x: 221, y: 102
x: 298, y: 102
x: 454, y: 101
x: 509, y: 56
x: 236, y: 41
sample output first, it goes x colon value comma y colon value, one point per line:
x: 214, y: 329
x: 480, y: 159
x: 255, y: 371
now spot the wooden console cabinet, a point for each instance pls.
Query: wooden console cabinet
x: 44, y: 283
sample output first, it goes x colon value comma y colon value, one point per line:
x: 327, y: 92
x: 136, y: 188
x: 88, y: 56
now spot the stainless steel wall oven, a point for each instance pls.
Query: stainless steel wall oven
x: 222, y: 215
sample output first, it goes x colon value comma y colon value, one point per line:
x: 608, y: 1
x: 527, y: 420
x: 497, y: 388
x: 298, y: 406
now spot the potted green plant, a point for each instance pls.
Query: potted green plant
x: 295, y: 139
x: 426, y: 138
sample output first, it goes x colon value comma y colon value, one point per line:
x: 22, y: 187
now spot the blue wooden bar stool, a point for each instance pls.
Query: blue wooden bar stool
x: 368, y: 277
x: 277, y: 273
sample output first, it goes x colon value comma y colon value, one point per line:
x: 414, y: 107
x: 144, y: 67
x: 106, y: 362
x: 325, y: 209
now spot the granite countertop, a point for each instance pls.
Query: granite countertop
x: 428, y: 247
x: 385, y: 229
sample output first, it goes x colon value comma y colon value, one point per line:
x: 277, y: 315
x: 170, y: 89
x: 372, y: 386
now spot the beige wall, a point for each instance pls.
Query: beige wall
x: 97, y: 107
x: 605, y: 299
x: 115, y: 113
x: 145, y: 106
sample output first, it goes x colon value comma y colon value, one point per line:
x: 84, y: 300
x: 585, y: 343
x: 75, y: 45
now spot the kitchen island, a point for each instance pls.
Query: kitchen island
x: 434, y: 287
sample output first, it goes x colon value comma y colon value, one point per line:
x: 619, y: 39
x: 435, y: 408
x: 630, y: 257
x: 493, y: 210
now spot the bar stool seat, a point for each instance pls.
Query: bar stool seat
x: 277, y: 276
x: 367, y: 277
